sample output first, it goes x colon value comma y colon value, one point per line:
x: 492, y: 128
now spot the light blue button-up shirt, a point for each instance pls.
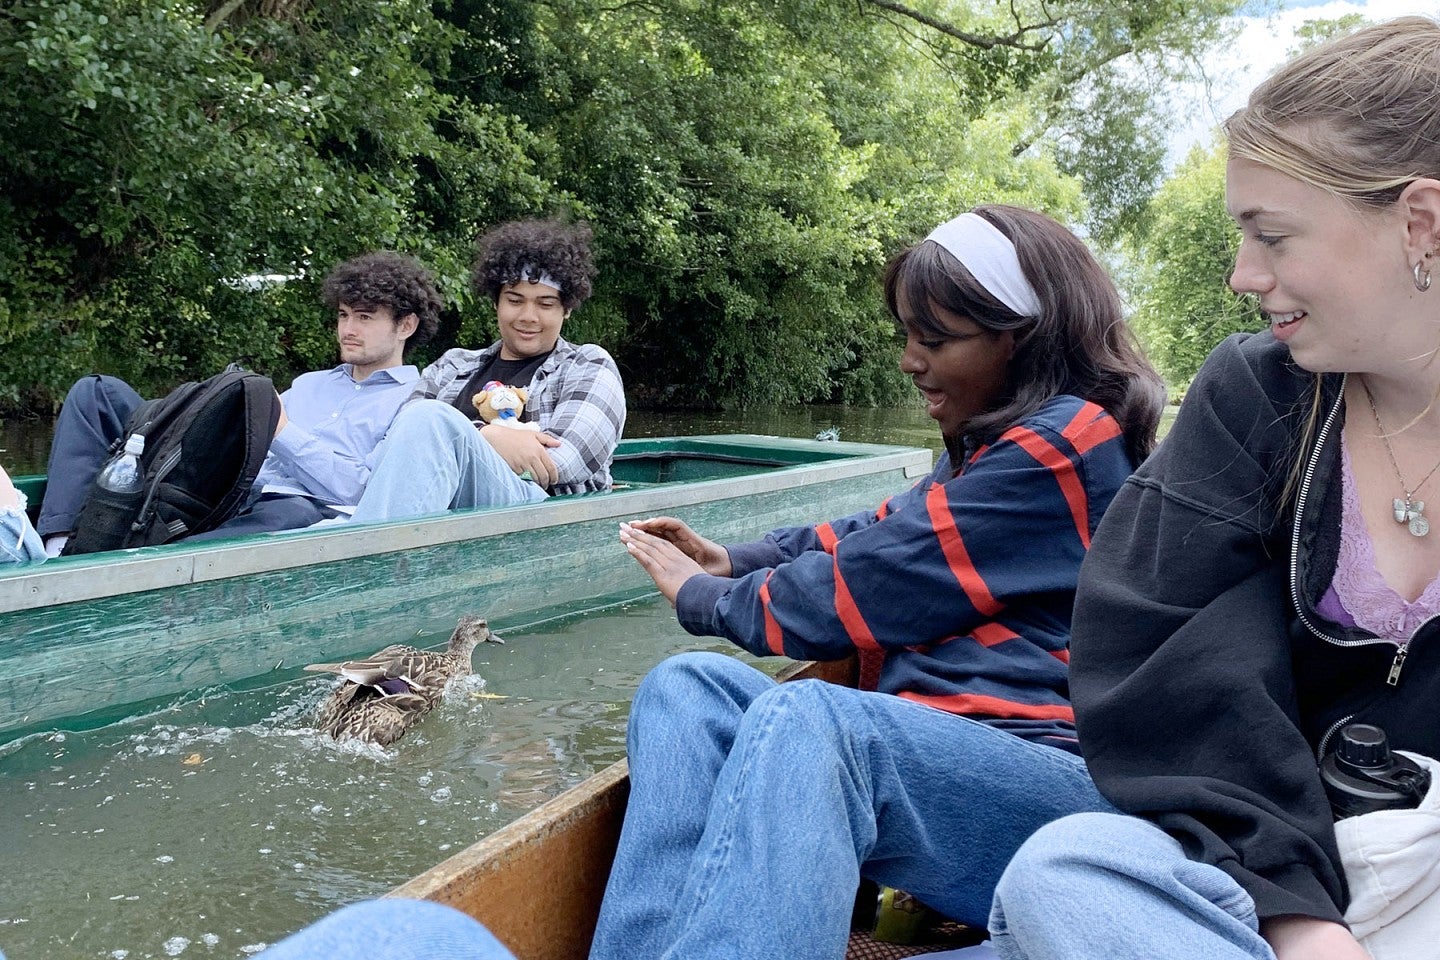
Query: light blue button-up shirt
x: 327, y: 449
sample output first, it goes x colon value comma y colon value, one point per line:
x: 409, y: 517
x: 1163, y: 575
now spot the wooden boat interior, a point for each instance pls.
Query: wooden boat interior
x: 538, y: 882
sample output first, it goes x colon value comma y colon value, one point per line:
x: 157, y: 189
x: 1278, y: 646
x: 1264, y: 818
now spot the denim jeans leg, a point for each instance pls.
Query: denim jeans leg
x: 682, y: 725
x: 92, y: 417
x: 267, y: 513
x: 391, y: 929
x: 823, y: 783
x: 433, y: 459
x: 1118, y: 887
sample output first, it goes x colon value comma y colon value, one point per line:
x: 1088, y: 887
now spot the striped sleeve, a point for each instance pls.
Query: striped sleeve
x: 950, y: 558
x: 788, y: 543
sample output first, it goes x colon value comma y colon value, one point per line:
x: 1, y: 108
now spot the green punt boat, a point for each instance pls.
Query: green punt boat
x: 86, y: 640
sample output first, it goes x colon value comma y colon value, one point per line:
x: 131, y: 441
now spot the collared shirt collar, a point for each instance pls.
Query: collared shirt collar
x: 405, y: 373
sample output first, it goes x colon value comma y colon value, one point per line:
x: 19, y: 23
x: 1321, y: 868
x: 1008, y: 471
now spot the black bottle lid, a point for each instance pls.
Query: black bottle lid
x: 1362, y: 776
x: 1364, y: 746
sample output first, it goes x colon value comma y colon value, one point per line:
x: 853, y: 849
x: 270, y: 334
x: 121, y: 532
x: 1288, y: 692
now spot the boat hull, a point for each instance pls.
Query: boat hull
x: 87, y: 639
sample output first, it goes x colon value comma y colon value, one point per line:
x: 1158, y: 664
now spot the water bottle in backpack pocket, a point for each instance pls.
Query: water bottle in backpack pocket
x: 123, y: 474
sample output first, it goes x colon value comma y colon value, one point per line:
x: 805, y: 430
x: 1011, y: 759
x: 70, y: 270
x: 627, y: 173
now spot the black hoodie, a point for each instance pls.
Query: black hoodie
x: 1205, y: 684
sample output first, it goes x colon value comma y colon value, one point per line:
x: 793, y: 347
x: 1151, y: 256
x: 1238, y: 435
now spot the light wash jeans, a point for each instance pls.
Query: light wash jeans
x: 755, y: 807
x: 391, y: 930
x: 1118, y: 887
x: 433, y: 459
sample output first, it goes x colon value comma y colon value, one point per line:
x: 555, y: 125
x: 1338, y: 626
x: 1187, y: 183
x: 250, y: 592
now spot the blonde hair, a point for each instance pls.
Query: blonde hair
x: 1358, y: 116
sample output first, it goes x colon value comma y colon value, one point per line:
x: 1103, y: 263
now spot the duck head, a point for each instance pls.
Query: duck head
x: 469, y: 632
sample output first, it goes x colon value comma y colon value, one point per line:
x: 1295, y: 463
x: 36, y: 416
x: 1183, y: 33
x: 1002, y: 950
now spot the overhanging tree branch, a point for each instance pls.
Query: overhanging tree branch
x: 212, y: 22
x: 1015, y: 40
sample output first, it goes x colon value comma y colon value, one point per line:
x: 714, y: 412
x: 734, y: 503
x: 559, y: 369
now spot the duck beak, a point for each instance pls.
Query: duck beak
x: 494, y: 638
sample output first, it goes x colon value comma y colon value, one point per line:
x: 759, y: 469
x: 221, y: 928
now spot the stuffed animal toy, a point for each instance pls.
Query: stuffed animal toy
x: 502, y: 404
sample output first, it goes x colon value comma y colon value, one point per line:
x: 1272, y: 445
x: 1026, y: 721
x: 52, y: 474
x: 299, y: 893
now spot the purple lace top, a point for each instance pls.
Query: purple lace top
x: 1359, y: 596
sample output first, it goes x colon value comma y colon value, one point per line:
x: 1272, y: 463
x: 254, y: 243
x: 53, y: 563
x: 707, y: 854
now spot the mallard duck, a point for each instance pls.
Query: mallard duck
x: 381, y: 697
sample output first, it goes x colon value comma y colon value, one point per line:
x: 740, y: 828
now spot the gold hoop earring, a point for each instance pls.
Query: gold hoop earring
x: 1422, y: 277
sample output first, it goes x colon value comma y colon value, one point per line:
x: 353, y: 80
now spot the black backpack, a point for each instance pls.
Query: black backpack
x: 204, y: 445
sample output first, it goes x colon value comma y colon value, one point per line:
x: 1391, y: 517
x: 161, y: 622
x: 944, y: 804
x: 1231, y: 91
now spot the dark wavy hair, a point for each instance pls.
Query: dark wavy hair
x: 1079, y: 345
x: 550, y: 246
x: 385, y: 278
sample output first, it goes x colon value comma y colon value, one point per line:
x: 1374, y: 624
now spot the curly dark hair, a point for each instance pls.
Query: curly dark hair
x: 550, y: 246
x: 385, y: 278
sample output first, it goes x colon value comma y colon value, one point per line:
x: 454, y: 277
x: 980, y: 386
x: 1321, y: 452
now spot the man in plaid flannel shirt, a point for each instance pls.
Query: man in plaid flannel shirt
x: 437, y: 456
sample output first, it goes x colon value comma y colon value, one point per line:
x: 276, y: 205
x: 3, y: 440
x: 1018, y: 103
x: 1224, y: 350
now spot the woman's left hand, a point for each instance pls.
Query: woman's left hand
x: 667, y: 565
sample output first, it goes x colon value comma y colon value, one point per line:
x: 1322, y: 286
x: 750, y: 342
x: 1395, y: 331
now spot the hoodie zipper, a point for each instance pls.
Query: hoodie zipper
x: 1402, y: 647
x: 1330, y: 732
x: 1300, y: 500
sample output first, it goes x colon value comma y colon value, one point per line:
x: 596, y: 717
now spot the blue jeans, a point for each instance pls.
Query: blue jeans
x: 433, y: 459
x: 92, y: 417
x: 1112, y: 886
x: 755, y: 808
x: 391, y: 930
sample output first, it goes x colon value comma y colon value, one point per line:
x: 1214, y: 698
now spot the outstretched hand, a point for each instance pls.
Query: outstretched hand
x: 666, y: 563
x: 713, y: 558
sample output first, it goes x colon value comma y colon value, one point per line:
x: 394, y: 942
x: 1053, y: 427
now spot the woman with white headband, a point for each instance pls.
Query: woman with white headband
x: 756, y: 808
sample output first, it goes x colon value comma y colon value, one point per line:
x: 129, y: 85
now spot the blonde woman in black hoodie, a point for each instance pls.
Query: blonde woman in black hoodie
x: 1269, y: 574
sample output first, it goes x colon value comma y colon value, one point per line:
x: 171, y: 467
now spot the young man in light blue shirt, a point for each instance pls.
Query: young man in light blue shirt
x: 332, y: 421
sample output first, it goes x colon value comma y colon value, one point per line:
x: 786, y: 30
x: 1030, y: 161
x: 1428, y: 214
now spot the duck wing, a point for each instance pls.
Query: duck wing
x: 393, y: 663
x: 407, y: 701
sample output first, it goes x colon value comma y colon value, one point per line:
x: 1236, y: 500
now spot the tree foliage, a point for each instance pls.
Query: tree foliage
x: 1094, y: 75
x: 155, y: 160
x: 1184, y: 305
x: 747, y: 165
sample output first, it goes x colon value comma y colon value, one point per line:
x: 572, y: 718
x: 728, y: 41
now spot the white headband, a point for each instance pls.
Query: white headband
x: 990, y: 257
x: 533, y: 274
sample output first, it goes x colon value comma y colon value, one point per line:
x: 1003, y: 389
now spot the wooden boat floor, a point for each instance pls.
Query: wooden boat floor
x: 950, y: 936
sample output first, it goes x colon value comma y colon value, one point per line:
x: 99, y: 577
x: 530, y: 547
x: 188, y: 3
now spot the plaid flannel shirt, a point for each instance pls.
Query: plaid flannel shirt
x: 576, y: 396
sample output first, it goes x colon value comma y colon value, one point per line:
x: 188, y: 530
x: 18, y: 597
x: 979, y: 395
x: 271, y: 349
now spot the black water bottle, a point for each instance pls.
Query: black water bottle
x: 1361, y: 775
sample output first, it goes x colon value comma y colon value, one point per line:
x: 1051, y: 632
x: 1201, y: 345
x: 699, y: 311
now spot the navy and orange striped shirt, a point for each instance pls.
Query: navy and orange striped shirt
x: 961, y: 587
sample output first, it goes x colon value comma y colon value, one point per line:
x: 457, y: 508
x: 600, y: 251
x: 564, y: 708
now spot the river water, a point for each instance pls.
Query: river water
x: 224, y: 821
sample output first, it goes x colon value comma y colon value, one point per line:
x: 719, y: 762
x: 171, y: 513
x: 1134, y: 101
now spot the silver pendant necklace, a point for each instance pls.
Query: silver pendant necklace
x: 1408, y: 510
